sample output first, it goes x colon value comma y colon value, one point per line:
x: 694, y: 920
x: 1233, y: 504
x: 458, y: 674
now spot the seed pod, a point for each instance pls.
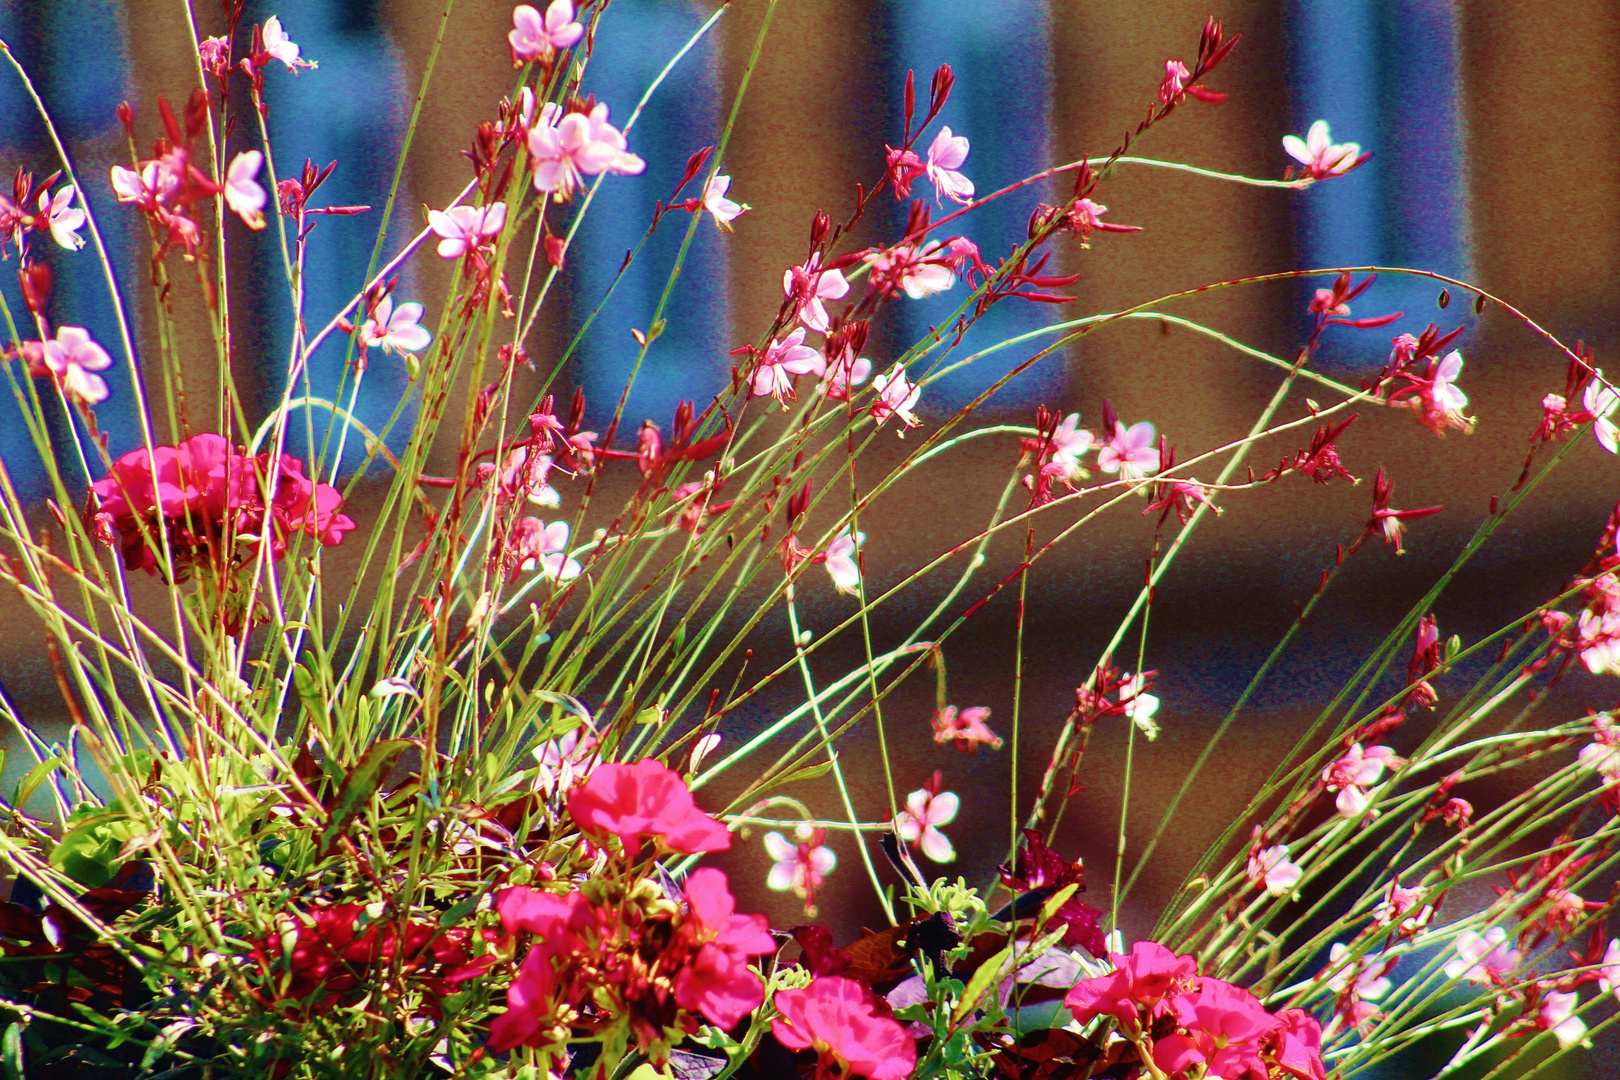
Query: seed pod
x: 1444, y: 299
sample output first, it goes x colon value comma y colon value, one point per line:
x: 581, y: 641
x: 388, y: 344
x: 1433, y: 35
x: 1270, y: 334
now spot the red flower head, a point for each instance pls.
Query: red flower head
x: 1139, y: 982
x: 837, y: 1018
x: 642, y: 800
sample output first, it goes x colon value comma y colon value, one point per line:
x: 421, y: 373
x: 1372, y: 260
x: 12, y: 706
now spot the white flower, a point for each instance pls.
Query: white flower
x: 391, y: 328
x: 945, y: 154
x: 799, y: 867
x: 919, y: 822
x: 715, y: 202
x: 1318, y: 153
x: 1600, y: 400
x: 65, y: 218
x: 840, y: 560
x: 1139, y: 707
x: 278, y: 45
x: 896, y: 396
x: 1557, y: 1016
x: 464, y: 228
x: 1447, y: 398
x: 242, y: 192
x: 1069, y: 443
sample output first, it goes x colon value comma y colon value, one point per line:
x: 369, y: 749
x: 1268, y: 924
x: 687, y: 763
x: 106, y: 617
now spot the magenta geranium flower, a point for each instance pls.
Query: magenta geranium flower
x: 836, y: 1017
x: 1136, y: 986
x: 718, y: 983
x: 1225, y: 1026
x: 642, y: 801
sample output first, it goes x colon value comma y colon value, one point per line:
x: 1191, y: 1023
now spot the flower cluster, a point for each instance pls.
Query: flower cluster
x: 209, y: 503
x: 1196, y: 1025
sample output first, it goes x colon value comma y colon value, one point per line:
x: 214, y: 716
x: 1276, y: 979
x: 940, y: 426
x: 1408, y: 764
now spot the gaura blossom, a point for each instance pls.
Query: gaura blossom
x: 72, y: 358
x: 1130, y: 453
x: 843, y: 373
x: 242, y: 192
x: 1070, y: 442
x: 725, y: 211
x: 645, y: 800
x: 1483, y: 958
x: 810, y: 285
x: 1355, y: 773
x: 1139, y: 706
x: 465, y: 228
x: 780, y: 362
x: 1608, y: 973
x: 566, y: 762
x: 840, y: 560
x: 523, y: 474
x: 1271, y: 870
x: 65, y: 218
x: 1320, y: 156
x: 577, y: 146
x: 926, y: 810
x: 919, y: 272
x: 1358, y: 982
x: 1442, y: 403
x: 966, y: 729
x: 802, y: 866
x: 535, y: 38
x: 836, y: 1018
x: 391, y: 328
x: 1557, y: 1015
x: 1174, y: 83
x: 945, y: 155
x: 1600, y: 399
x: 280, y: 47
x: 896, y: 396
x: 1398, y: 901
x: 545, y: 547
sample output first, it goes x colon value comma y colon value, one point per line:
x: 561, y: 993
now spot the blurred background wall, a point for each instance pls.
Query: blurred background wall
x: 1494, y: 129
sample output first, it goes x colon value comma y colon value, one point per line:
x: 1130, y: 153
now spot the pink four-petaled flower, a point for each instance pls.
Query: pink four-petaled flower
x: 724, y: 210
x: 926, y: 810
x: 840, y: 560
x: 1271, y: 870
x: 896, y: 396
x: 242, y: 191
x: 72, y: 357
x: 578, y: 145
x: 1321, y: 157
x: 278, y: 45
x: 391, y: 328
x: 780, y: 362
x: 1130, y: 453
x: 65, y: 219
x: 801, y: 867
x: 534, y: 37
x: 945, y: 156
x: 465, y: 228
x: 810, y: 285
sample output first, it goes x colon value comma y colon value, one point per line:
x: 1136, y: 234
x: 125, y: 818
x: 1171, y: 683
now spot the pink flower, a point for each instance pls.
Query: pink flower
x: 1130, y: 453
x: 840, y: 559
x: 1070, y: 442
x: 810, y: 286
x: 896, y: 396
x: 1299, y: 1045
x: 523, y: 475
x: 534, y: 38
x: 715, y: 202
x: 967, y: 729
x: 1608, y: 974
x: 719, y: 983
x: 65, y: 218
x: 1352, y: 775
x: 1483, y: 958
x: 1139, y: 706
x: 783, y: 359
x: 559, y: 927
x: 1174, y: 83
x: 278, y: 46
x: 835, y: 1017
x: 1272, y: 870
x: 802, y: 866
x: 577, y: 146
x: 646, y: 799
x: 945, y: 155
x: 1134, y: 989
x: 465, y: 228
x: 242, y: 192
x: 72, y: 357
x: 1442, y: 402
x: 926, y: 810
x: 842, y: 374
x: 1225, y: 1025
x: 1321, y: 158
x: 391, y: 328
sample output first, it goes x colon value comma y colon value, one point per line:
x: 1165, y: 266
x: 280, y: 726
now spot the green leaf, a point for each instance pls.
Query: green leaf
x: 1057, y: 900
x: 988, y: 974
x: 309, y: 692
x: 1453, y: 647
x: 90, y: 853
x: 809, y: 772
x: 36, y: 776
x: 363, y: 781
x: 11, y: 1053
